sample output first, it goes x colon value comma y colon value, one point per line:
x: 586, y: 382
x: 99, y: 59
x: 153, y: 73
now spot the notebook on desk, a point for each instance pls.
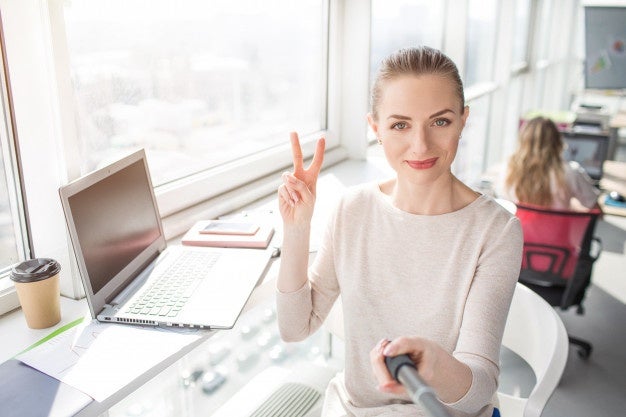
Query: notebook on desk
x: 130, y: 275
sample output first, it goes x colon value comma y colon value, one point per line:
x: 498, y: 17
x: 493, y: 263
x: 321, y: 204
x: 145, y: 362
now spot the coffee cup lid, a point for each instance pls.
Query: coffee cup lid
x: 35, y: 270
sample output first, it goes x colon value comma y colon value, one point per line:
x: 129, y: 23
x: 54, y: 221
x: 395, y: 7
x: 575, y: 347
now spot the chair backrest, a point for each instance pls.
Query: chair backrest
x: 535, y: 332
x: 554, y: 240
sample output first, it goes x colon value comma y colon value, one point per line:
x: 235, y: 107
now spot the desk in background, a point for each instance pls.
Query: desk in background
x: 613, y: 179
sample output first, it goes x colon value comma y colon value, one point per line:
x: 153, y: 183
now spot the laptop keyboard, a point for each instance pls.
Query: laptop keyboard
x: 167, y: 296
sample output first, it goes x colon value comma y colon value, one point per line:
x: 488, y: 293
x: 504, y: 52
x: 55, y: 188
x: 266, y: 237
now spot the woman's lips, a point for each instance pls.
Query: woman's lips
x: 425, y: 164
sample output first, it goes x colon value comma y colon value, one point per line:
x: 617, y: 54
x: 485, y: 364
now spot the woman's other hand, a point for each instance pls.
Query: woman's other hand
x: 296, y: 195
x: 423, y: 353
x: 449, y: 378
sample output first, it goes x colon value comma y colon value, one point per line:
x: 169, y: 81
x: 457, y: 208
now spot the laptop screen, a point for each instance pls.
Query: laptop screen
x: 114, y: 225
x: 115, y: 222
x: 589, y: 150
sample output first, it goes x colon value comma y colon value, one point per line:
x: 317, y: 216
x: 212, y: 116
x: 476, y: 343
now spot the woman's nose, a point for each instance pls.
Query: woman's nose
x: 419, y: 141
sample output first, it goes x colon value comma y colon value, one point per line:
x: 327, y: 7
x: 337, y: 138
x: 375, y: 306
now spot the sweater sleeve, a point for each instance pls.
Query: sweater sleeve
x: 485, y: 314
x: 302, y: 312
x: 581, y: 185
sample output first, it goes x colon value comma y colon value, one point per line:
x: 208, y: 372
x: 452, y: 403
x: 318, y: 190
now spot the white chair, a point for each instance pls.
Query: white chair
x: 534, y: 331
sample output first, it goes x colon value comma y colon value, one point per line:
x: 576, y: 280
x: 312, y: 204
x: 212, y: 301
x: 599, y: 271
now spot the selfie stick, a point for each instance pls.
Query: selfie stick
x: 403, y: 369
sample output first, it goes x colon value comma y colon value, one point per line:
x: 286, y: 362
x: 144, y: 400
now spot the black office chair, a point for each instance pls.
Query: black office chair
x: 559, y: 251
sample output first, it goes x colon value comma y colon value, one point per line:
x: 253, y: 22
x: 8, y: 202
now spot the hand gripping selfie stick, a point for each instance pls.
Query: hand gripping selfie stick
x: 403, y: 369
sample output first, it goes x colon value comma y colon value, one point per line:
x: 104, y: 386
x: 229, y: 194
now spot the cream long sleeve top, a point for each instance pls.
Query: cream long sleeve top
x: 449, y: 278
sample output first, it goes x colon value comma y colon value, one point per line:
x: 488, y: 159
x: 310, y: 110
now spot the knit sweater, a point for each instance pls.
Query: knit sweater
x: 449, y: 278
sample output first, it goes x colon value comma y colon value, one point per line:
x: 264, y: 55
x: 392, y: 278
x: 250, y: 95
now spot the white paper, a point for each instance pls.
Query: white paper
x: 100, y: 359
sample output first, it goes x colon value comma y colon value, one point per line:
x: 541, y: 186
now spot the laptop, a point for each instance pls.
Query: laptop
x: 589, y: 150
x: 129, y: 273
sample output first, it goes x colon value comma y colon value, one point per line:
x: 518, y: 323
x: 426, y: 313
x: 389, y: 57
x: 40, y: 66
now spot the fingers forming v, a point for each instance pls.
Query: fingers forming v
x: 296, y: 152
x: 298, y: 163
x: 318, y: 157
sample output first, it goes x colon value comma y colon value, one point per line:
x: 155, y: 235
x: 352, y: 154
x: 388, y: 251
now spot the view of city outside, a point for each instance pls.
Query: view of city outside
x: 198, y: 83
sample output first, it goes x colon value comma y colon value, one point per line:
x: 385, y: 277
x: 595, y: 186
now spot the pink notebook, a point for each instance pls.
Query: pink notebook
x: 260, y: 239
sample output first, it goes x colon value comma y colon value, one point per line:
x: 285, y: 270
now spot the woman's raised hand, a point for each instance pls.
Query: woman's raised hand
x: 296, y: 196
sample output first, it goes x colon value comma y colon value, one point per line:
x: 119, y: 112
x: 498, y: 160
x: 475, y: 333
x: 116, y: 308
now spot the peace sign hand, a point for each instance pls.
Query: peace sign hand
x: 296, y: 196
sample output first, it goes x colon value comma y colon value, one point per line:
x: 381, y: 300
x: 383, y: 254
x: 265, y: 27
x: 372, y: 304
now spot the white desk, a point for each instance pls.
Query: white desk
x: 28, y: 392
x: 48, y: 396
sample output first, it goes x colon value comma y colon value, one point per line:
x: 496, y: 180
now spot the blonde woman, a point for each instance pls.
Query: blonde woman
x: 537, y: 174
x: 419, y: 257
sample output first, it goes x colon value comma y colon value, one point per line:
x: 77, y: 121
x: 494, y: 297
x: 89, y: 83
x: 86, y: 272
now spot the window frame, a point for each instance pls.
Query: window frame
x: 195, y: 189
x: 48, y: 148
x: 8, y: 295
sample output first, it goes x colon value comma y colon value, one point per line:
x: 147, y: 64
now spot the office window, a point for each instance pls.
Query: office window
x: 513, y: 113
x: 11, y: 244
x: 404, y: 23
x: 519, y: 48
x: 13, y: 237
x: 197, y: 83
x: 471, y: 155
x: 544, y: 28
x: 480, y: 42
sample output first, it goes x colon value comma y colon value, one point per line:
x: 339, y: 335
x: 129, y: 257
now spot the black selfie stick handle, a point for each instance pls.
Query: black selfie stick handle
x: 403, y: 369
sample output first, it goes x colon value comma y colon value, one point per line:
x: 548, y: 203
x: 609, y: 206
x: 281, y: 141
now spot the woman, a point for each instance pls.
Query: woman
x: 421, y: 254
x: 538, y: 175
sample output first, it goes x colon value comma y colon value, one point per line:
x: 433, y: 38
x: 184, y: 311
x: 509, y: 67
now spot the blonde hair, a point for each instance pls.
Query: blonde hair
x: 416, y: 61
x: 536, y: 162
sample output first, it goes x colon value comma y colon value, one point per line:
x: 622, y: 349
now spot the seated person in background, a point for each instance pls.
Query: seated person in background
x: 538, y: 175
x: 420, y: 254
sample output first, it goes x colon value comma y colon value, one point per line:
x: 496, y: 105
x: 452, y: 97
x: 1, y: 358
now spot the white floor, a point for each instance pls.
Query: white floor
x: 609, y: 271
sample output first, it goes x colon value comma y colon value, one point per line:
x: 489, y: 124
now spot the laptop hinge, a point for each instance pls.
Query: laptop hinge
x: 135, y: 283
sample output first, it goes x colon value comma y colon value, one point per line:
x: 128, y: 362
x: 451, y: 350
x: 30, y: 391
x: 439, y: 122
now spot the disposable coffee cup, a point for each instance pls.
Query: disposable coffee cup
x: 37, y: 285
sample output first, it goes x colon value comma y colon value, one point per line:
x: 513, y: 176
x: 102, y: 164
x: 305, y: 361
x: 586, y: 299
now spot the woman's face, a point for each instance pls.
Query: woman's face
x: 419, y: 123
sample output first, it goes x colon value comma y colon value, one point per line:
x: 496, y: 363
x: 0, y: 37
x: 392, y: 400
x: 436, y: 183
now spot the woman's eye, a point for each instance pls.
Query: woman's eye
x: 399, y: 125
x: 441, y: 122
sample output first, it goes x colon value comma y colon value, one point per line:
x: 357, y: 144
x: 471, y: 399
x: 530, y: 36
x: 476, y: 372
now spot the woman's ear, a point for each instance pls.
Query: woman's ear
x: 372, y: 123
x: 465, y: 114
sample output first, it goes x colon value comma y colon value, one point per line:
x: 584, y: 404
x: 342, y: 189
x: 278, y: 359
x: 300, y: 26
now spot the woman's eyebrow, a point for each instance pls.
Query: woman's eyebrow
x: 398, y: 116
x: 439, y: 113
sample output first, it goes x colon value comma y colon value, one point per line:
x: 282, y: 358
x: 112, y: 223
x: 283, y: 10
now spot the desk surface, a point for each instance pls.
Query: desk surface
x: 45, y: 395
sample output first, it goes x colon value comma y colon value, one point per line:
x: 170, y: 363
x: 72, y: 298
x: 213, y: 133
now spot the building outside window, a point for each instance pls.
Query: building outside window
x: 197, y: 86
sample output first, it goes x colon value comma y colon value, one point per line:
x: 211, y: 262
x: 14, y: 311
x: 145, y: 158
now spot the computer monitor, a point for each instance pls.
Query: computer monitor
x: 605, y: 59
x: 589, y: 150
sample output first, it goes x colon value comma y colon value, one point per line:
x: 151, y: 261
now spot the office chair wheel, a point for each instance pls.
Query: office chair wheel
x: 583, y: 347
x: 584, y: 352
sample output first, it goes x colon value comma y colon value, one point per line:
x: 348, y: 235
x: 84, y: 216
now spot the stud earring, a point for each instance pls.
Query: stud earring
x: 380, y: 142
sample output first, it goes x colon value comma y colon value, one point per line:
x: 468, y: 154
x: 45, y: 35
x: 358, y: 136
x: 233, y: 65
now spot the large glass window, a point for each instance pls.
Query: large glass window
x: 543, y: 30
x: 521, y: 34
x: 404, y: 23
x: 10, y: 244
x: 470, y: 160
x: 13, y: 242
x: 198, y: 83
x: 481, y: 41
